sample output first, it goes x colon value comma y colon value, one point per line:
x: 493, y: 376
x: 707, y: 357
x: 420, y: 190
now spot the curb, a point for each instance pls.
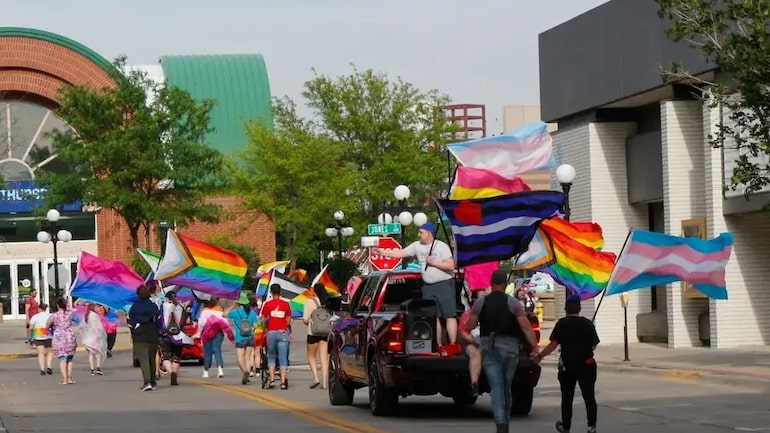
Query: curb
x: 692, y: 375
x: 31, y: 354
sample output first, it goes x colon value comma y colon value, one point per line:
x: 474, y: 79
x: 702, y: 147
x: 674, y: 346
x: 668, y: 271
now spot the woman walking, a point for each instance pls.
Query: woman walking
x: 110, y: 327
x: 63, y: 342
x: 277, y: 312
x: 94, y: 338
x: 143, y: 318
x: 41, y: 335
x: 318, y: 320
x: 212, y: 334
x: 244, y: 322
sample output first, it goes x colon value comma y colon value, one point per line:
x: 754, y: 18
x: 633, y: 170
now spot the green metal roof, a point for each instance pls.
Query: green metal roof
x: 60, y: 40
x: 238, y: 83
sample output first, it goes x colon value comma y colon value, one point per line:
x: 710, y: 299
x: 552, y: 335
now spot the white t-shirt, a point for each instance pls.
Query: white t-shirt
x: 40, y: 322
x: 440, y: 251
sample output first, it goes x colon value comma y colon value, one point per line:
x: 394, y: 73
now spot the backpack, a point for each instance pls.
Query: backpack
x: 320, y: 321
x: 244, y: 326
x: 172, y: 327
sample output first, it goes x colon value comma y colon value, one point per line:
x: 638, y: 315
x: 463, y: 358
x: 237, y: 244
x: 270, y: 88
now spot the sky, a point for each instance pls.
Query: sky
x: 476, y: 51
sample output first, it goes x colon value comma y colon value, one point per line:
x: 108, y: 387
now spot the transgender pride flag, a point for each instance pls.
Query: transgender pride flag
x: 524, y: 149
x: 650, y: 259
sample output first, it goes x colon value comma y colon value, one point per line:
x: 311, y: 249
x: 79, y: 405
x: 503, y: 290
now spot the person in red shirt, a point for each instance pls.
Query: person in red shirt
x: 277, y: 313
x: 31, y: 307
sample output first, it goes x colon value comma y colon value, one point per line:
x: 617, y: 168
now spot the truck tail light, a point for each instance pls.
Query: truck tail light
x: 395, y: 336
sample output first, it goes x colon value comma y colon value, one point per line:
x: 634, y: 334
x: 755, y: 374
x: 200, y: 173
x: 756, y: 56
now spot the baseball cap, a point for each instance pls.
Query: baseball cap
x: 499, y: 278
x: 429, y: 227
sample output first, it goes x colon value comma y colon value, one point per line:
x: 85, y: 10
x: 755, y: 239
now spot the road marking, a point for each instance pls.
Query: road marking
x: 636, y: 409
x: 309, y: 413
x: 688, y: 376
x: 752, y: 429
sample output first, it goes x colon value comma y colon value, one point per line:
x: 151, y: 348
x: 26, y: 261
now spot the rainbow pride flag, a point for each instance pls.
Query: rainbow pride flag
x: 108, y: 282
x: 578, y: 263
x: 197, y: 265
x: 263, y: 285
x: 324, y: 278
x: 41, y: 333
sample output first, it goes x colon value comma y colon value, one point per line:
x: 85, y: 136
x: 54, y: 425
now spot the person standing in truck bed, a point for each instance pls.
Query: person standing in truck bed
x: 437, y: 267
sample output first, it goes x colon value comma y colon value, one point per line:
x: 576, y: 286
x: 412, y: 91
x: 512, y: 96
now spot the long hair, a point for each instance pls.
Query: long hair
x: 61, y: 304
x: 90, y: 309
x: 321, y: 293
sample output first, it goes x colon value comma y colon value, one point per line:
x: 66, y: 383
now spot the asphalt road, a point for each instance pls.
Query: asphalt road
x: 113, y: 404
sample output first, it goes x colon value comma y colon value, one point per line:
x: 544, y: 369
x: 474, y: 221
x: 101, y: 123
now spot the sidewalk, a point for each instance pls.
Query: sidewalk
x: 13, y: 335
x: 744, y: 366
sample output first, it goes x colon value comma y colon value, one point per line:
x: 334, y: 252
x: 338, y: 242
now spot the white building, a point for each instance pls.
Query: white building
x: 643, y: 159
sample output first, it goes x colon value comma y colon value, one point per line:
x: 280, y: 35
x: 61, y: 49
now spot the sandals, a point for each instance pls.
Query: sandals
x: 271, y: 384
x: 284, y: 385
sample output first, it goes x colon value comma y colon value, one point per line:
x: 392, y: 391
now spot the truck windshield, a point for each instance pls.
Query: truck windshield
x: 400, y: 290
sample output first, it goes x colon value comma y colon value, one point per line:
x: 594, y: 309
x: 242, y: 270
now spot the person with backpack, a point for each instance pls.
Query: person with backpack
x: 318, y: 319
x: 244, y: 321
x: 172, y: 337
x: 503, y: 327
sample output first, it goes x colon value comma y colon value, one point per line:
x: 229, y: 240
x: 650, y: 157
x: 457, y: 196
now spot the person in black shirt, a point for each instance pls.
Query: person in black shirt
x: 577, y: 337
x: 143, y: 318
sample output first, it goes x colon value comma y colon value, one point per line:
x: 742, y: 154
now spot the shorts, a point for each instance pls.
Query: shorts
x: 44, y: 343
x: 169, y: 350
x: 445, y: 295
x: 66, y: 358
x: 313, y: 339
x: 244, y: 344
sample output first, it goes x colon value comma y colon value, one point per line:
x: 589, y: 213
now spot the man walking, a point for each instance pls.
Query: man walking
x: 577, y: 337
x: 503, y: 326
x: 437, y: 267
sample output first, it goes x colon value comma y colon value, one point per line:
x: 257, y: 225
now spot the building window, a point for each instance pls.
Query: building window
x: 16, y: 228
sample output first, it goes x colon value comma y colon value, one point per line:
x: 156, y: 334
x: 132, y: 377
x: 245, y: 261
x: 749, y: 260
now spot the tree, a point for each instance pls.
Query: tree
x: 732, y: 35
x: 392, y: 132
x: 295, y: 177
x: 139, y: 149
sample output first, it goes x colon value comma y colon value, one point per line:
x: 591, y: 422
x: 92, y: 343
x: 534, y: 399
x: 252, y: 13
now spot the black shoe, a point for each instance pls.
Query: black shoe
x: 93, y: 372
x: 109, y: 354
x: 560, y: 427
x: 154, y: 385
x: 174, y: 379
x: 48, y: 371
x: 245, y: 380
x: 42, y: 372
x: 99, y: 372
x: 146, y: 387
x: 502, y: 428
x: 474, y: 390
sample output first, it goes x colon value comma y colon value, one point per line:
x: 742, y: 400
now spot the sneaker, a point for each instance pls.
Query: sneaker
x: 220, y: 372
x: 48, y: 370
x: 245, y: 380
x: 174, y: 379
x: 42, y: 372
x: 99, y: 372
x: 560, y: 427
x: 93, y: 372
x: 154, y: 386
x: 109, y: 354
x: 251, y: 373
x: 147, y: 387
x: 592, y: 429
x: 205, y: 374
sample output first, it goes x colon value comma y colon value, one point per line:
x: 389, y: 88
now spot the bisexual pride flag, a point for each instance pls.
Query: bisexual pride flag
x: 108, y: 282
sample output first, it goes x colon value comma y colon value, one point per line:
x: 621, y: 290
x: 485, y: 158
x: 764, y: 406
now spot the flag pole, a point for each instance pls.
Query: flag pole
x: 612, y: 275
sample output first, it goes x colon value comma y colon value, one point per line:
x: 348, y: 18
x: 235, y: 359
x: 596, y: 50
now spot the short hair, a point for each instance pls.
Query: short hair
x: 572, y: 306
x: 275, y: 289
x: 143, y: 292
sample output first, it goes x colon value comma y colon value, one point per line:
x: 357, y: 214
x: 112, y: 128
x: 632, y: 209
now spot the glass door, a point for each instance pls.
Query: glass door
x: 27, y: 279
x: 6, y: 289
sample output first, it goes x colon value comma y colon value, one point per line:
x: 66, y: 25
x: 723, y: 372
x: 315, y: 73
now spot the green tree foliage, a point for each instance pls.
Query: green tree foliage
x: 139, y: 149
x: 248, y: 254
x: 393, y: 133
x: 733, y: 36
x: 295, y: 177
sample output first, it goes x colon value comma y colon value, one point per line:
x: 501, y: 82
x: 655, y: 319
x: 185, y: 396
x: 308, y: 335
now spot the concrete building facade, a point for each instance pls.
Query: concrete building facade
x: 643, y: 159
x: 34, y: 65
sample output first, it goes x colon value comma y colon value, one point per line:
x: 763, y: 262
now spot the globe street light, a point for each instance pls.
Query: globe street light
x: 53, y: 231
x: 339, y: 230
x: 405, y: 217
x: 565, y: 175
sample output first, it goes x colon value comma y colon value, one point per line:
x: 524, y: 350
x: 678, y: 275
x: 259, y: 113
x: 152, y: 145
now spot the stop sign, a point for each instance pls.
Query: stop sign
x: 383, y: 263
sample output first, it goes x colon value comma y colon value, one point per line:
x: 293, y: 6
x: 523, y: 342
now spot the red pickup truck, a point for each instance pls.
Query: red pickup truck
x: 386, y: 342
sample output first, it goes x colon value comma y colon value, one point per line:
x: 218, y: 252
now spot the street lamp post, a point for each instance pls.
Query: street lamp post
x: 405, y: 217
x: 53, y: 231
x: 624, y: 298
x: 565, y: 175
x: 339, y: 230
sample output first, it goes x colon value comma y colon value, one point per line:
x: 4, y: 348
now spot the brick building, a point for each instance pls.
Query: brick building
x: 34, y: 64
x: 643, y: 159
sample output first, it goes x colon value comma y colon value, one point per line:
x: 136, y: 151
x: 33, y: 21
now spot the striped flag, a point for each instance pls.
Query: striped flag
x: 479, y: 183
x: 650, y: 259
x: 524, y: 149
x: 324, y: 278
x: 498, y: 228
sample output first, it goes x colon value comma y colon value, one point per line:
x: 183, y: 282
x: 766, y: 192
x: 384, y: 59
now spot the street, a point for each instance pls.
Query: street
x: 113, y: 403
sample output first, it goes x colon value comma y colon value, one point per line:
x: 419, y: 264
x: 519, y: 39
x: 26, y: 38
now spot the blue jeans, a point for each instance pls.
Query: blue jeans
x: 500, y: 367
x: 213, y: 348
x: 278, y: 345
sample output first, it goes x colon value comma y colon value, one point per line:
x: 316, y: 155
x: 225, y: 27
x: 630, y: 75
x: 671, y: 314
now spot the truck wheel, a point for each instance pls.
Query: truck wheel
x: 382, y: 402
x: 340, y: 394
x: 522, y: 399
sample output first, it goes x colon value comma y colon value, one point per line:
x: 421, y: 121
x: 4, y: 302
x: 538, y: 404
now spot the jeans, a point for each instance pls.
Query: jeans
x: 500, y: 367
x: 145, y: 354
x: 278, y: 345
x: 585, y: 376
x: 213, y: 348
